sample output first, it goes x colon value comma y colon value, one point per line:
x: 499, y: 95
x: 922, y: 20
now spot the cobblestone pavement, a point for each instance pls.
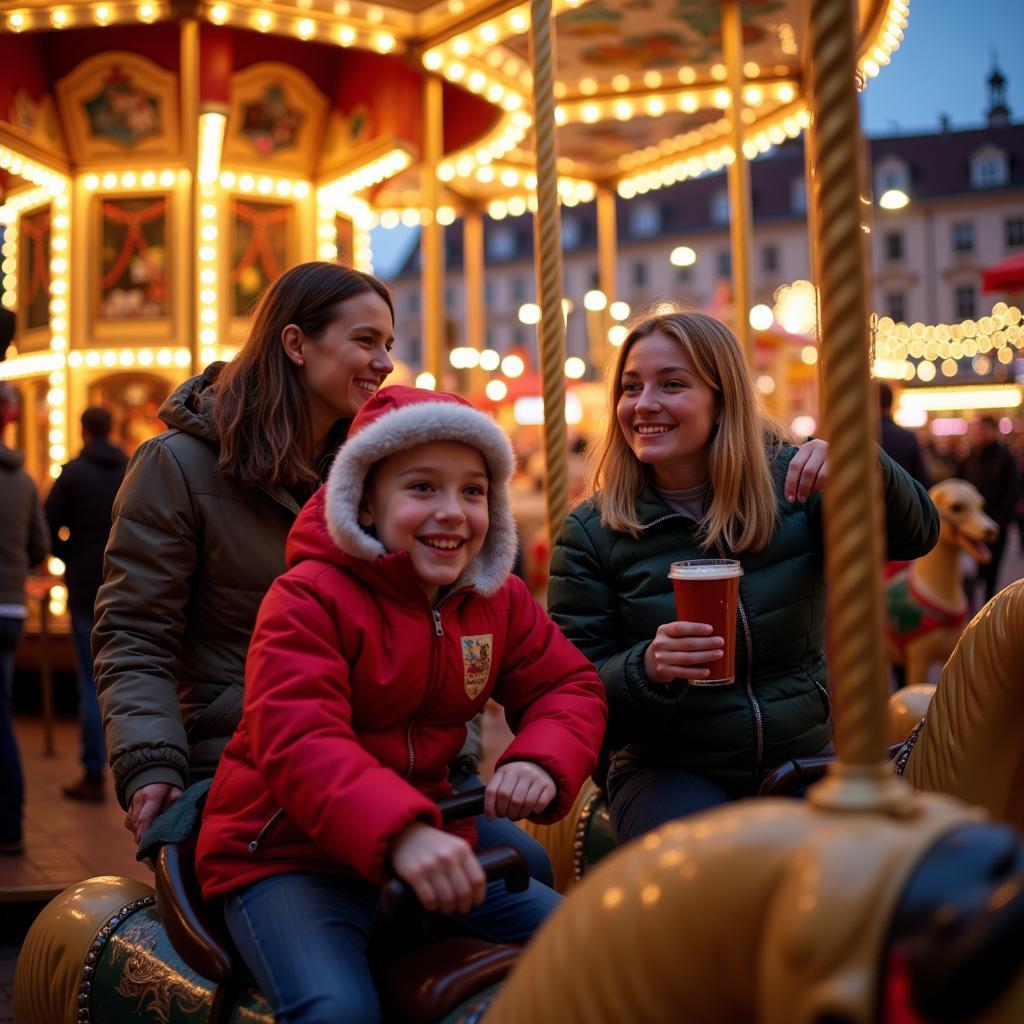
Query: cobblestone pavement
x: 16, y: 918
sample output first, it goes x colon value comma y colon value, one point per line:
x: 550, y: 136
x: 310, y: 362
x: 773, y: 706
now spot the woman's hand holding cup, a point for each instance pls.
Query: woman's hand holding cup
x: 682, y: 650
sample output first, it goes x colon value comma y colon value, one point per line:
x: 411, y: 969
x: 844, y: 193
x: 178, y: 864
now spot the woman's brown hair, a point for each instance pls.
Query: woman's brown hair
x: 742, y: 513
x: 261, y: 410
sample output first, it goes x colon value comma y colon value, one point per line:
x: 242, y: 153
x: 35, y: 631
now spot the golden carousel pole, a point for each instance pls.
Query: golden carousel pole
x: 547, y: 234
x: 607, y: 273
x: 854, y: 536
x: 473, y: 275
x: 740, y: 220
x: 432, y: 237
x: 189, y: 43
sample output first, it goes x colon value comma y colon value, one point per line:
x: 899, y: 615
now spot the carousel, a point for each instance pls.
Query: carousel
x: 888, y: 894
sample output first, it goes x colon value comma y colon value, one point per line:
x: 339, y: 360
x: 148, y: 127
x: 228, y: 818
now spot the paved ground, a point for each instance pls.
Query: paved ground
x: 54, y: 828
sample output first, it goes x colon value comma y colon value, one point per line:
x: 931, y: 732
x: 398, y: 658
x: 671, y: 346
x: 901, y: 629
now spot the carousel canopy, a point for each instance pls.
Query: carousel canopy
x: 641, y: 93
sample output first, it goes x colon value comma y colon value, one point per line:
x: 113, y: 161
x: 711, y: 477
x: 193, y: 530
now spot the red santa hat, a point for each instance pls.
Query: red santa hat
x: 396, y: 419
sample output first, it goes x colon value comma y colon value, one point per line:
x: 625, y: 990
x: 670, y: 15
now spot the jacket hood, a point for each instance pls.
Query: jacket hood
x: 395, y: 419
x: 103, y: 453
x: 10, y: 459
x: 187, y: 407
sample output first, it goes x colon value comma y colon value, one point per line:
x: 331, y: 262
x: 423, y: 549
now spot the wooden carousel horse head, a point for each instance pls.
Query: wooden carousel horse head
x: 780, y: 912
x: 926, y: 604
x: 972, y: 742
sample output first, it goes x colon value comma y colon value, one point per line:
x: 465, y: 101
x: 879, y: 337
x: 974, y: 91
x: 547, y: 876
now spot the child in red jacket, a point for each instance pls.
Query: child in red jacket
x: 395, y: 622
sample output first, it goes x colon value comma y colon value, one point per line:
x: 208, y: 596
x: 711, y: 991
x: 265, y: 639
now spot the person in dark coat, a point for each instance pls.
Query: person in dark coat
x: 691, y: 467
x: 991, y: 467
x: 23, y: 545
x: 899, y: 443
x: 78, y: 510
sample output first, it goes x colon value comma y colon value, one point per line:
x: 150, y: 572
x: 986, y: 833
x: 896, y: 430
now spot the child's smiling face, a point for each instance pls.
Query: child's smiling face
x: 432, y: 502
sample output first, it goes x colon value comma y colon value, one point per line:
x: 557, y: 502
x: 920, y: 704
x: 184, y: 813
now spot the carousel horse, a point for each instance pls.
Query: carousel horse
x: 926, y: 604
x: 971, y: 742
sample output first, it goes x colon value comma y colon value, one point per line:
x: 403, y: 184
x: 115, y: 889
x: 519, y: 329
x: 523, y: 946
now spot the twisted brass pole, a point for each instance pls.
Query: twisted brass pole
x: 547, y: 235
x: 854, y: 538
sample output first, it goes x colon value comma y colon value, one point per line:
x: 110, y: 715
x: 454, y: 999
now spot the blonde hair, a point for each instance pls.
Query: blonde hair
x: 742, y: 514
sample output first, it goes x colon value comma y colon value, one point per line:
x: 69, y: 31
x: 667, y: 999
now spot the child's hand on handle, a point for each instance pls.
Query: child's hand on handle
x: 441, y: 868
x: 808, y: 470
x: 518, y: 789
x: 681, y: 650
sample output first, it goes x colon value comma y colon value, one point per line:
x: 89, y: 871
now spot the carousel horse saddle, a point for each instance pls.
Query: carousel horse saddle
x: 417, y: 987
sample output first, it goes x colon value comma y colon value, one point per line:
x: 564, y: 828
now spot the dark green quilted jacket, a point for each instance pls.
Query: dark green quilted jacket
x: 609, y: 592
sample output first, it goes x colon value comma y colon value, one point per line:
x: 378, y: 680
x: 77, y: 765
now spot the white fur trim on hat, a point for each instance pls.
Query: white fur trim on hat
x: 403, y: 428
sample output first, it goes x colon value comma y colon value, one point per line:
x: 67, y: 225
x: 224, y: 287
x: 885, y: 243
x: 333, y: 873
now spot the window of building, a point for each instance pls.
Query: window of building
x: 644, y: 220
x: 594, y: 278
x: 989, y: 168
x: 891, y: 173
x: 1013, y: 230
x: 639, y: 274
x: 719, y: 207
x: 798, y: 195
x: 413, y: 305
x: 501, y: 244
x: 963, y: 237
x: 449, y: 297
x: 964, y: 301
x: 896, y: 304
x: 519, y: 336
x: 518, y: 289
x: 684, y: 274
x: 572, y: 233
x: 723, y: 263
x: 893, y: 242
x: 770, y: 258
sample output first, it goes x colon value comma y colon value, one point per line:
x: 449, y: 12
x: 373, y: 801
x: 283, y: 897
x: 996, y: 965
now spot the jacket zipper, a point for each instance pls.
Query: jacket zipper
x: 825, y: 695
x: 410, y: 748
x: 755, y: 707
x: 254, y: 846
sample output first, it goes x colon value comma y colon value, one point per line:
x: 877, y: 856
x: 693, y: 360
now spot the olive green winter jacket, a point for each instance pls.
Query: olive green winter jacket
x: 191, y: 554
x: 609, y: 592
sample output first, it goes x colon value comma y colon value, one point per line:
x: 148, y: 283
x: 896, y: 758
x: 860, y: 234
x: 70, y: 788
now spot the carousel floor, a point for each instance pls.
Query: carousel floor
x: 65, y: 840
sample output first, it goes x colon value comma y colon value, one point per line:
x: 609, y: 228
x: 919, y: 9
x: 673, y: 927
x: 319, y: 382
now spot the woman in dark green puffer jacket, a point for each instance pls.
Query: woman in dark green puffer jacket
x: 691, y: 467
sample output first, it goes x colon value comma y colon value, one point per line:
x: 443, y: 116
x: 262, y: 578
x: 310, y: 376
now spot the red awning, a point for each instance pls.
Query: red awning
x: 1005, y: 276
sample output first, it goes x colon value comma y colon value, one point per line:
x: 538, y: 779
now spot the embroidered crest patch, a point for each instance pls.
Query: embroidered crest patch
x: 476, y: 662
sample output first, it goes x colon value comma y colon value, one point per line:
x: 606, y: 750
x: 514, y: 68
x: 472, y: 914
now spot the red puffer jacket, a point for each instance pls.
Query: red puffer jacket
x: 357, y: 692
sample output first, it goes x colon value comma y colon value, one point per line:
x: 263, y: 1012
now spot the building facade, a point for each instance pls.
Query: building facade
x: 964, y: 212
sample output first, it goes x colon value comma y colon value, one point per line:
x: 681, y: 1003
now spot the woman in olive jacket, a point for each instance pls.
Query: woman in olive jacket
x: 691, y: 467
x: 201, y: 520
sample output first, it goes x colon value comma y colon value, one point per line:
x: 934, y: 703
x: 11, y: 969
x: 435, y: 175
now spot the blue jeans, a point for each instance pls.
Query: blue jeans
x: 94, y: 752
x: 641, y: 797
x: 502, y: 832
x: 12, y: 785
x: 304, y: 938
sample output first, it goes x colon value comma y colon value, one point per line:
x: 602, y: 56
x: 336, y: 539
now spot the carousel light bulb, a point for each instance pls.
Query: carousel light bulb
x: 426, y: 381
x: 513, y: 366
x: 147, y: 12
x: 305, y: 29
x: 496, y: 390
x: 575, y: 367
x: 346, y: 36
x: 761, y: 317
x: 219, y: 14
x: 529, y: 313
x: 59, y: 18
x: 682, y: 256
